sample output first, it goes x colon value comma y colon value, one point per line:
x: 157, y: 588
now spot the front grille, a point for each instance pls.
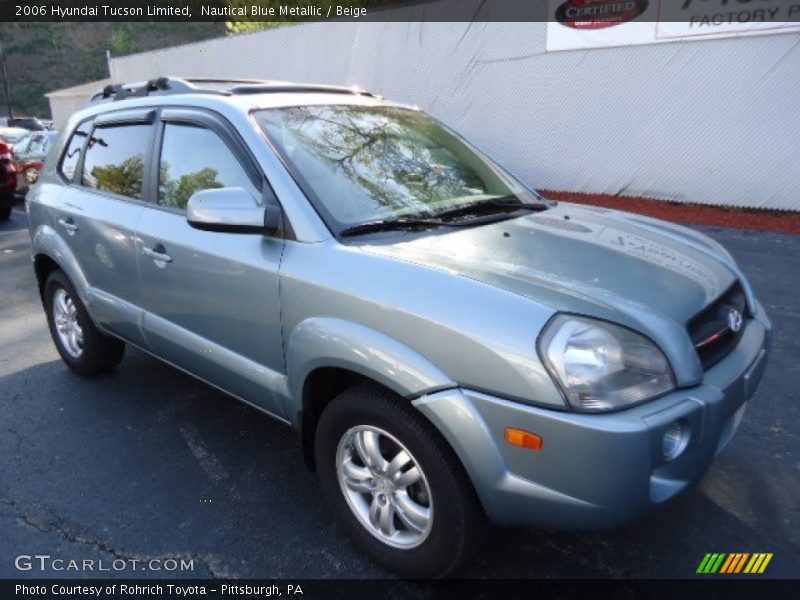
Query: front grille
x: 713, y: 330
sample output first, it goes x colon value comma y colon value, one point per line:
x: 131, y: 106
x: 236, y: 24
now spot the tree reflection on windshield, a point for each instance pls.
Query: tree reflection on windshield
x: 364, y: 163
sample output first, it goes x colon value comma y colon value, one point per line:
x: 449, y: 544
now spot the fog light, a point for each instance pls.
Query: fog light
x: 675, y: 439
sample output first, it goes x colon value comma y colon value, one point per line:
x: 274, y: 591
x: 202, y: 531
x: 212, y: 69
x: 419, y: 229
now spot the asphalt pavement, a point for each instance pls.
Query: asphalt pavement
x: 148, y: 463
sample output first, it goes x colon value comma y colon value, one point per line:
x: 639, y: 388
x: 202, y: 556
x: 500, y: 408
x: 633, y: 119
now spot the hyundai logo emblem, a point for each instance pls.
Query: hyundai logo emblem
x: 734, y: 320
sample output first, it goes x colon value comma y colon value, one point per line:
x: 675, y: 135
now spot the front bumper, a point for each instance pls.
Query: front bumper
x: 597, y: 470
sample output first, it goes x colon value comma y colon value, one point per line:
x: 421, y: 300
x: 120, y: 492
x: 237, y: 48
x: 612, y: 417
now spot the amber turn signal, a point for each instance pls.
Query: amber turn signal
x: 523, y: 439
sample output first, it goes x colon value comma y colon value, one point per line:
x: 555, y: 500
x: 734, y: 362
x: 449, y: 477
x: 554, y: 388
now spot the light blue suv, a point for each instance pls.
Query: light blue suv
x: 451, y: 348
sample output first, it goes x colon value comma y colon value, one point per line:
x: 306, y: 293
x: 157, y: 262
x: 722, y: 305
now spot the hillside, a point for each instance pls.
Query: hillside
x: 44, y: 57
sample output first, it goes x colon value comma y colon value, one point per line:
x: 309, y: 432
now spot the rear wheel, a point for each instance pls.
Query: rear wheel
x: 81, y: 345
x: 5, y: 212
x: 396, y: 485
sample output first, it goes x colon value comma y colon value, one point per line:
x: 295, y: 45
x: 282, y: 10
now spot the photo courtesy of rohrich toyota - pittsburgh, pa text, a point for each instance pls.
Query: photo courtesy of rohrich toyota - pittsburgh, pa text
x: 400, y: 299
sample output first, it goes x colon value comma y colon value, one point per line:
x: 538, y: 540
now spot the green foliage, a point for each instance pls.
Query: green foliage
x: 121, y: 42
x: 44, y: 57
x: 241, y: 27
x: 124, y: 179
x: 177, y: 193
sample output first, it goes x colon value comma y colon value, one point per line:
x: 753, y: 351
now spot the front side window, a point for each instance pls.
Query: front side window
x: 360, y: 163
x: 72, y: 155
x: 115, y: 157
x: 194, y: 158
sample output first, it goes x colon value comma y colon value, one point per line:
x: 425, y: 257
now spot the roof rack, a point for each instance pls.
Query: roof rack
x: 224, y: 87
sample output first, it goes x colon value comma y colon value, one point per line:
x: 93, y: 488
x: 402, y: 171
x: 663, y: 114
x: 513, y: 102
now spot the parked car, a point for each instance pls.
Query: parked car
x: 29, y: 154
x: 27, y: 123
x: 8, y: 181
x: 11, y: 135
x: 451, y: 348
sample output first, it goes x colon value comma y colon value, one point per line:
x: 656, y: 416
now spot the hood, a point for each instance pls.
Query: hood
x: 590, y: 255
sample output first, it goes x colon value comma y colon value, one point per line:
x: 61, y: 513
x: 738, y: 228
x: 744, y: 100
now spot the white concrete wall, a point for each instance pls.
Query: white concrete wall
x: 61, y: 107
x: 709, y: 121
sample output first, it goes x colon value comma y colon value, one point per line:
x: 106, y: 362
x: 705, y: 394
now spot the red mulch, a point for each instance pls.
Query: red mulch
x: 766, y: 220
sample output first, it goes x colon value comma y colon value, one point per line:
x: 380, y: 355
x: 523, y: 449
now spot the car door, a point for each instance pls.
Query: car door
x: 96, y: 214
x: 211, y: 299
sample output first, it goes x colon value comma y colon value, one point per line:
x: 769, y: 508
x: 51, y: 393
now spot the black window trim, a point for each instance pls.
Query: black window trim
x: 139, y: 116
x: 79, y: 164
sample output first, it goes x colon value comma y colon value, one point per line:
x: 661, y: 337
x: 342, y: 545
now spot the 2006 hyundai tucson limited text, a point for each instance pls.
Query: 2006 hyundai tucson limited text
x: 452, y: 349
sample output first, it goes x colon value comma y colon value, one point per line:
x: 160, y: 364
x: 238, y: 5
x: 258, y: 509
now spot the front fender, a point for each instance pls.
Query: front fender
x: 45, y: 240
x: 328, y: 342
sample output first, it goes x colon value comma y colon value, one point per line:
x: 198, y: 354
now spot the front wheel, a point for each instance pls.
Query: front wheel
x: 396, y: 485
x: 5, y: 212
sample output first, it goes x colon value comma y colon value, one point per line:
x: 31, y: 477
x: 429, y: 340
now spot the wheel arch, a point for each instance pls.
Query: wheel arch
x: 50, y: 252
x: 325, y: 356
x: 43, y: 265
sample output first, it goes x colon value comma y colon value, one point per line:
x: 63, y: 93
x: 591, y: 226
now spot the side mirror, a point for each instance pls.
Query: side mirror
x: 231, y: 210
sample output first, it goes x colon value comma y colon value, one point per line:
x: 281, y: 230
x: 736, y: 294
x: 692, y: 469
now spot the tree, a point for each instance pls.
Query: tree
x: 124, y: 179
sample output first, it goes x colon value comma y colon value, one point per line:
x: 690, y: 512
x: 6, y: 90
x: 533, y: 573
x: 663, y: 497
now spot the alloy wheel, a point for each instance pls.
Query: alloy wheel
x: 384, y: 486
x: 65, y: 317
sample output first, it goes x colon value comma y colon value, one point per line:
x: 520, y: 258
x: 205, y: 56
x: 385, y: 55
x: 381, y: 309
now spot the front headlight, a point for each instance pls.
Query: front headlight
x: 601, y: 366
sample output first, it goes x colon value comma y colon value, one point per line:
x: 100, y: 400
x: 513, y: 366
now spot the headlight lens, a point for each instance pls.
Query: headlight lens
x: 601, y: 366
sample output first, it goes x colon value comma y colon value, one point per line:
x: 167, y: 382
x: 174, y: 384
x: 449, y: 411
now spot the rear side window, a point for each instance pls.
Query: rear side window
x: 194, y: 158
x: 115, y: 158
x: 72, y: 155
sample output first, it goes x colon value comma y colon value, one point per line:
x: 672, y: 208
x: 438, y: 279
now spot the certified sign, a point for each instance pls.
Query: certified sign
x: 598, y: 14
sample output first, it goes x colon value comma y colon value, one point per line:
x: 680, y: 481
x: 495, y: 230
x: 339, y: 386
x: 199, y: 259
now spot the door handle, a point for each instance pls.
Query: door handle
x: 69, y: 225
x: 158, y: 254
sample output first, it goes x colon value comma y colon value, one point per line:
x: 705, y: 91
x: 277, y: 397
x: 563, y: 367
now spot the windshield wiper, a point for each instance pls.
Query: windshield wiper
x: 392, y: 224
x: 488, y: 207
x: 503, y: 203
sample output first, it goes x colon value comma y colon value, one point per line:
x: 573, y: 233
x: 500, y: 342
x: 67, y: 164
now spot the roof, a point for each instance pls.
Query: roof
x: 170, y: 86
x: 222, y: 96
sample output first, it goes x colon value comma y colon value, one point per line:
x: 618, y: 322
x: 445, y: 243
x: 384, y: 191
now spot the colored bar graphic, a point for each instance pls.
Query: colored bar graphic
x: 751, y: 564
x: 740, y: 564
x: 730, y: 563
x: 703, y: 563
x: 765, y: 563
x: 711, y: 562
x: 734, y: 562
x: 717, y: 564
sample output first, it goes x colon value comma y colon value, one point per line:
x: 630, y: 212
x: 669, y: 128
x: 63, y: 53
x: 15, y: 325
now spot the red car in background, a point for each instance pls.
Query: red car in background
x: 8, y: 181
x: 29, y: 153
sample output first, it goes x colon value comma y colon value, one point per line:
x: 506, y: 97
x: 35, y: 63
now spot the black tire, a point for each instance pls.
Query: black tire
x: 459, y: 524
x: 99, y: 352
x: 5, y: 212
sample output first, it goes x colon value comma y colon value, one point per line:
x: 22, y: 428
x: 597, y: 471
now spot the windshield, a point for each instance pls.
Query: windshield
x: 359, y: 164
